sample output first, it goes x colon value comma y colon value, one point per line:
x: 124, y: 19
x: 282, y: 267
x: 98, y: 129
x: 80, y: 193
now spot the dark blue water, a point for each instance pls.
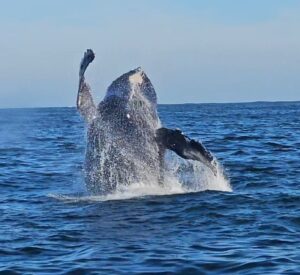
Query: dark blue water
x: 253, y: 230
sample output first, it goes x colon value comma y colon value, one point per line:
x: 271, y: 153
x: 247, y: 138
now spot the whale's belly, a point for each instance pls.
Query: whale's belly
x: 118, y: 156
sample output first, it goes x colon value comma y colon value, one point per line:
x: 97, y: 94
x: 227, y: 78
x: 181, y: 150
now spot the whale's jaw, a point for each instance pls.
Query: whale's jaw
x: 137, y: 78
x: 131, y: 85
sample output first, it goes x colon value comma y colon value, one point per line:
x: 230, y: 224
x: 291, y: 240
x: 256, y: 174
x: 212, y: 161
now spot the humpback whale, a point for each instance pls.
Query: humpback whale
x: 126, y: 141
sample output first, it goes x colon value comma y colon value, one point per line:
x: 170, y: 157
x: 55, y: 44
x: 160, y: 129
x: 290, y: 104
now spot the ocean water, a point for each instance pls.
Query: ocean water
x: 49, y: 225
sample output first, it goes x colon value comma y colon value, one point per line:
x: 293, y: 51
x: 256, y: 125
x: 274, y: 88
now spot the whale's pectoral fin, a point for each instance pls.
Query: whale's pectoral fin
x: 185, y: 147
x: 85, y: 103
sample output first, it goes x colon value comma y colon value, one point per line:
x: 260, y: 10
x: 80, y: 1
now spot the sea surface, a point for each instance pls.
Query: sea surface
x: 49, y: 225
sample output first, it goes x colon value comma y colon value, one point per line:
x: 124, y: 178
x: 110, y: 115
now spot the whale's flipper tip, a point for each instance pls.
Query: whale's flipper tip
x: 89, y: 54
x: 88, y: 57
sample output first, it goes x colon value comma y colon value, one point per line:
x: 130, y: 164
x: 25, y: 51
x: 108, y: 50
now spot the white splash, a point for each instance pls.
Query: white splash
x: 194, y: 176
x: 184, y: 177
x: 113, y: 163
x: 134, y: 190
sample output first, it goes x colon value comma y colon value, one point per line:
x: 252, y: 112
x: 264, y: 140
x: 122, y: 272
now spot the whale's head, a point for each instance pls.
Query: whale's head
x: 134, y: 87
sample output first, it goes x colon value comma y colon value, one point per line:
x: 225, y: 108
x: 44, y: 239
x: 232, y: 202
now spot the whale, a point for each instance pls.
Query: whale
x: 126, y: 141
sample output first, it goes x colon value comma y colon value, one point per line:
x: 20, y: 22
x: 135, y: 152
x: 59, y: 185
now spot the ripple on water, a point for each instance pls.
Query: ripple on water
x: 147, y: 229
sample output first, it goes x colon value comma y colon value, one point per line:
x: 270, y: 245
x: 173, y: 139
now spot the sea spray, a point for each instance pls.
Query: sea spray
x: 126, y: 153
x: 182, y: 176
x: 194, y: 176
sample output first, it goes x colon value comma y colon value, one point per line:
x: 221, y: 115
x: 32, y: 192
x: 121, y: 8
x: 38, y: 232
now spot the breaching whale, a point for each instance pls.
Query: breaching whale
x: 126, y: 142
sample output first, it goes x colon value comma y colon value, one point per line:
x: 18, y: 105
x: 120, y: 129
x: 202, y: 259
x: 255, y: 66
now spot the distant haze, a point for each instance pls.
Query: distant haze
x: 193, y: 51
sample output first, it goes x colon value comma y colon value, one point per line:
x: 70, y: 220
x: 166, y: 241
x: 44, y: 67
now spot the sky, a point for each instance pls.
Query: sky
x: 193, y: 51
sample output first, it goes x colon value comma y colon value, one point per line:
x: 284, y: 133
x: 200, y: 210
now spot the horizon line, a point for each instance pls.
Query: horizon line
x: 186, y: 103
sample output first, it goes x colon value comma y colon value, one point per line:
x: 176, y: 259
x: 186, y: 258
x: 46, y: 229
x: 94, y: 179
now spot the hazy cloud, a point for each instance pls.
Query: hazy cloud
x: 191, y: 53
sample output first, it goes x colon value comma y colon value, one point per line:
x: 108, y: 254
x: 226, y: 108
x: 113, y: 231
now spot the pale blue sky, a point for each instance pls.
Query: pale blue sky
x: 193, y: 51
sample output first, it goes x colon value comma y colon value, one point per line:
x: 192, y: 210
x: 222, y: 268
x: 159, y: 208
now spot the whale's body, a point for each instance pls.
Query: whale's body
x: 121, y: 145
x: 125, y: 140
